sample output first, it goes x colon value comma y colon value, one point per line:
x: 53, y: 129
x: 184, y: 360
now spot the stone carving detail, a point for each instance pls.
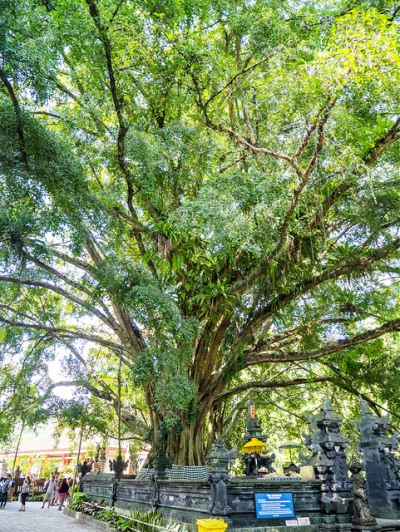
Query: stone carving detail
x: 219, y: 494
x: 155, y: 496
x: 114, y: 492
x: 218, y: 456
x: 118, y: 465
x: 380, y: 464
x: 328, y: 447
x: 218, y: 459
x: 253, y: 425
x: 84, y: 468
x: 100, y: 459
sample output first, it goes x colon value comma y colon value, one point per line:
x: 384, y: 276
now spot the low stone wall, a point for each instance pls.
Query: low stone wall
x: 188, y: 500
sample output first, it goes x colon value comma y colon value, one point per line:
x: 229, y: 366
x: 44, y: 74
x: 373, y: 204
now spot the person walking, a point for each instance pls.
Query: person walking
x: 50, y: 491
x: 63, y: 492
x: 12, y: 490
x: 58, y: 485
x: 5, y: 488
x: 24, y: 493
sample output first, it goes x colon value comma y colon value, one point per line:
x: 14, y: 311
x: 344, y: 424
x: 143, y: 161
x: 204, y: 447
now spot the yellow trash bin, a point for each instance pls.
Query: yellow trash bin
x: 211, y: 525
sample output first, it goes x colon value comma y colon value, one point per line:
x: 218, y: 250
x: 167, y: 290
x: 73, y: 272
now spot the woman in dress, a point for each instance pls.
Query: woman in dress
x: 24, y: 493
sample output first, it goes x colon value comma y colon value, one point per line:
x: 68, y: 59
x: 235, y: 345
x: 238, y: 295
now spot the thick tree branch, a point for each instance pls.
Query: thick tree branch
x: 79, y: 383
x: 18, y: 115
x: 122, y: 131
x: 78, y: 263
x: 243, y: 72
x: 74, y: 284
x: 267, y: 384
x: 318, y: 126
x: 352, y: 266
x: 67, y: 120
x: 252, y: 358
x: 130, y: 420
x: 369, y: 159
x: 264, y: 151
x: 132, y: 332
x: 67, y: 295
x: 67, y: 333
x: 303, y: 327
x: 112, y: 395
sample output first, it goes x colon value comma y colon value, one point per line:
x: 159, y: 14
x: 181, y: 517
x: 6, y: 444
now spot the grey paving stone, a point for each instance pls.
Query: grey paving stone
x: 34, y: 519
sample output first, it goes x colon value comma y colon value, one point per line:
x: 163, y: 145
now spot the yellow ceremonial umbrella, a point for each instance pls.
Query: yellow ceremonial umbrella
x: 254, y: 446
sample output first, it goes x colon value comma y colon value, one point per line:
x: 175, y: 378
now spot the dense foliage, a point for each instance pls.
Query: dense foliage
x: 206, y: 192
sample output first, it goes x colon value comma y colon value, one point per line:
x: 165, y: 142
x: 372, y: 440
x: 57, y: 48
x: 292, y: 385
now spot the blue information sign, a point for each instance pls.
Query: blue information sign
x: 274, y: 505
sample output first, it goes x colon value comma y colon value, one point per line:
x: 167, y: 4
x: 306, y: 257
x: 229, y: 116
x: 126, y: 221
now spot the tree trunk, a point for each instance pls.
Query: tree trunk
x: 188, y: 447
x: 17, y: 448
x: 188, y: 444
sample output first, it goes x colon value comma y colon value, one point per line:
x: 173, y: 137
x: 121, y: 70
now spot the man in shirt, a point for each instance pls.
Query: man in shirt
x: 5, y: 488
x: 50, y: 491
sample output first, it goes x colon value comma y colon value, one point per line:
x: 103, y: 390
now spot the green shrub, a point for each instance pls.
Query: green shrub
x: 32, y: 498
x: 138, y: 522
x: 76, y: 501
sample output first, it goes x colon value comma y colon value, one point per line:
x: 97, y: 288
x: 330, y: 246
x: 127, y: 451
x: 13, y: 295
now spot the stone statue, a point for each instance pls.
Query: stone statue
x: 254, y: 461
x: 84, y: 468
x: 362, y: 514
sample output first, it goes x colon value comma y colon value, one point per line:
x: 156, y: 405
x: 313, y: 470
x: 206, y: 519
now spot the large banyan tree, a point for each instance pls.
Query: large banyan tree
x: 205, y: 193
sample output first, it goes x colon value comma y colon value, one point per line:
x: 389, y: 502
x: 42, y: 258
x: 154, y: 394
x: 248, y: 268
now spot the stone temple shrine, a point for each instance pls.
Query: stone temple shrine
x: 329, y: 494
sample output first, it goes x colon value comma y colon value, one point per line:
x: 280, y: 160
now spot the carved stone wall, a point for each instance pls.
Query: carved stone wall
x: 187, y: 500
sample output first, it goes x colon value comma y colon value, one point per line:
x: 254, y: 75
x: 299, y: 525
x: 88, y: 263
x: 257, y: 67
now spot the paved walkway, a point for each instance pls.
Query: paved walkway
x: 34, y: 519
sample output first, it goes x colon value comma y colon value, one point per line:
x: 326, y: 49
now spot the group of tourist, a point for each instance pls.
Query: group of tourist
x: 56, y: 491
x: 7, y: 490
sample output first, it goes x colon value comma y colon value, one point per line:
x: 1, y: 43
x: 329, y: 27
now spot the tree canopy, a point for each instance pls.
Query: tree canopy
x: 205, y: 192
